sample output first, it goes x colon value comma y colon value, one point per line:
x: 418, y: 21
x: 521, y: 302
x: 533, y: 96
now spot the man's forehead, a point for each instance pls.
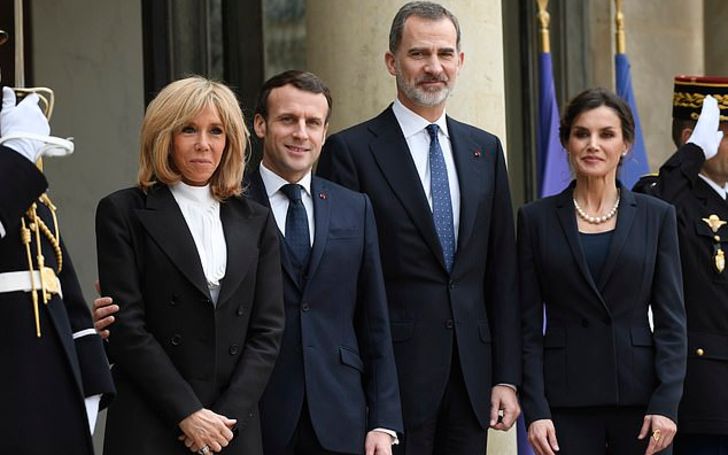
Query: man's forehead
x: 289, y: 97
x: 441, y: 31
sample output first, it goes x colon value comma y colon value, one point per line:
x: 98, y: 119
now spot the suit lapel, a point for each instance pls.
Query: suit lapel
x: 567, y: 219
x: 322, y: 213
x: 238, y: 245
x: 469, y: 177
x: 165, y: 223
x: 391, y: 153
x: 625, y: 217
x: 257, y: 191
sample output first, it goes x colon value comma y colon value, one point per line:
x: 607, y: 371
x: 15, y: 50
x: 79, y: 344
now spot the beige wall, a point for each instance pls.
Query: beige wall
x: 90, y: 53
x: 716, y: 37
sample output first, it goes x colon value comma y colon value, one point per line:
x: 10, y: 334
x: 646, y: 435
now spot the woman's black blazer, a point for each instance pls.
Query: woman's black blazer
x: 598, y: 348
x: 174, y: 351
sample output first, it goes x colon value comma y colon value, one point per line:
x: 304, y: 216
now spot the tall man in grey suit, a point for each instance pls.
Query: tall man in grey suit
x: 440, y: 195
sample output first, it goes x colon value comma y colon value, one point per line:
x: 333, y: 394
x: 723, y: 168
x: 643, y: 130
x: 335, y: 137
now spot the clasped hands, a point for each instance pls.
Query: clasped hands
x: 206, y: 429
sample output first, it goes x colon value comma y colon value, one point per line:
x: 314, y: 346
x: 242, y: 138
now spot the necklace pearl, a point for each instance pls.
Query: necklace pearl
x: 597, y: 219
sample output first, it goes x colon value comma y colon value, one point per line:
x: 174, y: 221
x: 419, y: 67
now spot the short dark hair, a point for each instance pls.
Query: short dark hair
x: 591, y: 99
x: 302, y: 80
x: 425, y: 10
x: 678, y: 125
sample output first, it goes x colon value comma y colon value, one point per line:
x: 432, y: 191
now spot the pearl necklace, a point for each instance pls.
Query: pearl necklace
x: 597, y: 219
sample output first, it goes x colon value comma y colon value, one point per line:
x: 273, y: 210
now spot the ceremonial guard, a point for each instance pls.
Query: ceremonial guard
x: 54, y: 369
x: 695, y: 181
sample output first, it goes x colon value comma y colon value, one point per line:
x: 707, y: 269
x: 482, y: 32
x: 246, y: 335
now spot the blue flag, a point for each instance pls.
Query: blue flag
x: 554, y: 173
x: 635, y: 164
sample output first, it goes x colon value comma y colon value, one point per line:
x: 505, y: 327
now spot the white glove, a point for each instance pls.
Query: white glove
x: 25, y: 128
x: 706, y: 134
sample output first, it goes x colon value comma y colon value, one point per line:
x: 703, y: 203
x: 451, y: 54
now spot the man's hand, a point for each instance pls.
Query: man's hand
x: 102, y: 313
x: 503, y: 398
x: 663, y: 430
x: 542, y: 437
x: 706, y: 134
x: 378, y: 443
x: 205, y: 428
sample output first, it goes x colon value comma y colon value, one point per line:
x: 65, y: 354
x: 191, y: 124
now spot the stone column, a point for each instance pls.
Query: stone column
x: 346, y: 41
x: 716, y: 35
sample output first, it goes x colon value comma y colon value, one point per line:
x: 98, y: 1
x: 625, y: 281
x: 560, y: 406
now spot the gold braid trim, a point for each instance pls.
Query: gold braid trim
x: 54, y: 239
x: 695, y: 101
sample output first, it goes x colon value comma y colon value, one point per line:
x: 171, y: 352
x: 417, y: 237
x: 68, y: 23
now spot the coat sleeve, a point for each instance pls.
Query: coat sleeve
x: 265, y: 330
x: 20, y: 184
x: 337, y: 163
x: 679, y: 173
x: 380, y: 377
x: 533, y: 396
x: 668, y: 311
x: 500, y: 288
x: 131, y: 345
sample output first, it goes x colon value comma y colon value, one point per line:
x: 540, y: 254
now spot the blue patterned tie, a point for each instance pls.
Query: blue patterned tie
x: 441, y: 202
x: 297, y: 234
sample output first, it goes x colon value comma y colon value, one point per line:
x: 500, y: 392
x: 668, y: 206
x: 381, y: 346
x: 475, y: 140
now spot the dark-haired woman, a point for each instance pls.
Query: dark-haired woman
x: 597, y: 258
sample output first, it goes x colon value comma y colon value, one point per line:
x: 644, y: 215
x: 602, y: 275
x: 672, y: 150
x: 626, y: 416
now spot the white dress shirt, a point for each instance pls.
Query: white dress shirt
x: 201, y: 211
x: 418, y: 141
x: 279, y: 201
x: 721, y: 190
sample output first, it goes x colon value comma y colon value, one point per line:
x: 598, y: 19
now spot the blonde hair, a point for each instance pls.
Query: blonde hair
x: 174, y: 107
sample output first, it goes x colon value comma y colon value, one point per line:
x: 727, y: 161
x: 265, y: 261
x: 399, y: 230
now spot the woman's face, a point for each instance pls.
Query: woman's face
x: 596, y: 143
x: 197, y: 147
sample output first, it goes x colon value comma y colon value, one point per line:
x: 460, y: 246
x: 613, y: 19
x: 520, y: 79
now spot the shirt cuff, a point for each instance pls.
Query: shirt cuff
x: 2, y: 230
x: 515, y: 389
x: 393, y: 434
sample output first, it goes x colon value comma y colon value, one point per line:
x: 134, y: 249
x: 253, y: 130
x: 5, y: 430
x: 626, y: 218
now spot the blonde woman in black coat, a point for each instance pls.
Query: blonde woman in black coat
x: 195, y: 271
x: 597, y: 257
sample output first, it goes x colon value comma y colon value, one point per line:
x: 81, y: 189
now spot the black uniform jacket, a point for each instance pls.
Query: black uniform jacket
x: 43, y: 380
x: 598, y: 349
x: 474, y: 308
x: 174, y: 351
x: 704, y: 408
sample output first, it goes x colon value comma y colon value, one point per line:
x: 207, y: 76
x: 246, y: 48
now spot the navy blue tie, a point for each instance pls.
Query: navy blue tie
x: 441, y: 202
x: 297, y: 235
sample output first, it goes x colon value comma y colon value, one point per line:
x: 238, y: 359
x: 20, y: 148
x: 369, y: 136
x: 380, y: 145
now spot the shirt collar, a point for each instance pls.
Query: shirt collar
x: 721, y: 190
x: 412, y: 123
x: 274, y: 182
x: 193, y: 194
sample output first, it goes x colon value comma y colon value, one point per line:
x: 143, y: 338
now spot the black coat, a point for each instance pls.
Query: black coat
x: 44, y: 380
x: 704, y: 407
x: 337, y: 349
x: 174, y: 351
x: 598, y: 349
x: 429, y: 308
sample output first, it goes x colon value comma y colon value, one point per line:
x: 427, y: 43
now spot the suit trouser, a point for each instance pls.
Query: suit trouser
x: 304, y: 440
x: 454, y: 430
x: 701, y: 444
x: 609, y: 430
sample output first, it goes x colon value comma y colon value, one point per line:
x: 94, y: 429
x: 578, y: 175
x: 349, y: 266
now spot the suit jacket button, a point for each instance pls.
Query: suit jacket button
x: 234, y: 349
x: 176, y: 339
x: 700, y: 352
x: 241, y: 310
x: 173, y: 301
x: 305, y: 307
x: 451, y: 284
x: 449, y: 324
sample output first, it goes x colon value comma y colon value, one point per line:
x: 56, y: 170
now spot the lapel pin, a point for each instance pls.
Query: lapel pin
x: 476, y: 153
x: 322, y: 196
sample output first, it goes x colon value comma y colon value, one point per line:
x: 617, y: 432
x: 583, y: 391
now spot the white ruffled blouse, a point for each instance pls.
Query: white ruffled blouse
x: 202, y: 214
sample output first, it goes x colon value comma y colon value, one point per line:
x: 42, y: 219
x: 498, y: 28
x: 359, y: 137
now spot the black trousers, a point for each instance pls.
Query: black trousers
x: 701, y: 444
x: 600, y: 430
x: 304, y: 440
x: 455, y: 429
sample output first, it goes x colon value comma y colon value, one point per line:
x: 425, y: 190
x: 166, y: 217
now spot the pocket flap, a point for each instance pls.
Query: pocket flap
x: 402, y: 331
x: 351, y: 358
x: 641, y: 336
x: 554, y: 338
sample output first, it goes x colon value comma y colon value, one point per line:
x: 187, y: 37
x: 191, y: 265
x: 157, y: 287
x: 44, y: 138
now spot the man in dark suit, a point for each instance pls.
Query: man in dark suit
x: 334, y: 387
x: 54, y: 367
x: 695, y: 180
x: 440, y: 194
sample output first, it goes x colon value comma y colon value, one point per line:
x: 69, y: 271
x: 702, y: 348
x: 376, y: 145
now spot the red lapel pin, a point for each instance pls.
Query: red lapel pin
x: 322, y: 196
x: 476, y: 153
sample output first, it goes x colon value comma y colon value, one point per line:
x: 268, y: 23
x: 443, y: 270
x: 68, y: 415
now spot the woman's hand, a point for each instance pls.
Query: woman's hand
x: 205, y: 428
x: 542, y: 437
x: 663, y: 430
